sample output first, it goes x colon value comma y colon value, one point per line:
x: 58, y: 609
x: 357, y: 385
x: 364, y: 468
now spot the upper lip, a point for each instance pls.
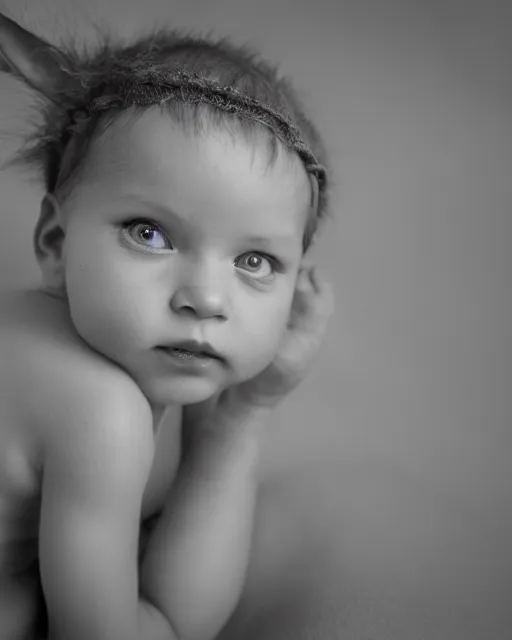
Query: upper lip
x: 203, y: 348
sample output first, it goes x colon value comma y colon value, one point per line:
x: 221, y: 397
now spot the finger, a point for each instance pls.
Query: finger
x: 313, y: 302
x: 323, y: 288
x: 311, y: 277
x: 303, y: 282
x: 317, y: 279
x: 308, y: 314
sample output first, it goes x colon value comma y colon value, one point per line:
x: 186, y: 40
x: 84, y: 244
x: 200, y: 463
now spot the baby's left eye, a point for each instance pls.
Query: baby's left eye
x: 254, y: 262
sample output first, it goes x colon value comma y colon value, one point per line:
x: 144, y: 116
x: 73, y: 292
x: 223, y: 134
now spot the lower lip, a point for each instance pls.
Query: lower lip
x: 187, y: 359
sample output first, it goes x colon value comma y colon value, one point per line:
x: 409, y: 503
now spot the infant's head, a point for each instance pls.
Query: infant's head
x: 185, y: 185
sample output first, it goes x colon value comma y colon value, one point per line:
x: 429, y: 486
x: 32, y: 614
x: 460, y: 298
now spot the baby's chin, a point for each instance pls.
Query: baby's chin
x: 180, y: 392
x: 190, y: 389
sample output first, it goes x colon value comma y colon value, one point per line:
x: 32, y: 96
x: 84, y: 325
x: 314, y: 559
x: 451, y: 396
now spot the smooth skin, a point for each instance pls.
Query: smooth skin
x: 167, y: 236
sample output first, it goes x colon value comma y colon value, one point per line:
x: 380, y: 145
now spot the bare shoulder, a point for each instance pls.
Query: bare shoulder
x: 51, y: 380
x: 69, y: 413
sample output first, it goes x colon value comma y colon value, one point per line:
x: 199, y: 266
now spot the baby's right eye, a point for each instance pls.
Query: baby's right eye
x: 147, y: 235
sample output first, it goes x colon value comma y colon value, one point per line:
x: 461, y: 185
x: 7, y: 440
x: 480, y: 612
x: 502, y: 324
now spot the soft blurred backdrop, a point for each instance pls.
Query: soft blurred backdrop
x: 410, y: 398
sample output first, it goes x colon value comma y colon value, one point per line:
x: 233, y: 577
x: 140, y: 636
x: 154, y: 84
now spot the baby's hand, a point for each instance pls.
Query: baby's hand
x: 312, y: 306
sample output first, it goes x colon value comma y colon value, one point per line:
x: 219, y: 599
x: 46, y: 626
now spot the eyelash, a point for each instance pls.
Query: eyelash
x: 129, y: 224
x: 275, y: 264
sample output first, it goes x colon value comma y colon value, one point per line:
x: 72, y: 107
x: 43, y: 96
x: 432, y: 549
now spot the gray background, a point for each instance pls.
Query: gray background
x: 410, y: 396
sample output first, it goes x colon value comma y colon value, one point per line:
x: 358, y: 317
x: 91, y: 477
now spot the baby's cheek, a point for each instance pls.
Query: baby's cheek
x: 105, y: 298
x: 101, y: 316
x: 260, y: 344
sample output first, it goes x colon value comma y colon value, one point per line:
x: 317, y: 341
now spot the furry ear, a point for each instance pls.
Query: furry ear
x: 32, y: 59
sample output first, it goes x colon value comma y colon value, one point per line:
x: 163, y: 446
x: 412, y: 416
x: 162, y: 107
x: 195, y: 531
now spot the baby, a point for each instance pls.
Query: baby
x: 184, y: 186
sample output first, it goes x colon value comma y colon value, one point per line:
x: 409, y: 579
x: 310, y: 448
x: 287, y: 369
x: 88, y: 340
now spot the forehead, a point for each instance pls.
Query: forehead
x: 215, y: 178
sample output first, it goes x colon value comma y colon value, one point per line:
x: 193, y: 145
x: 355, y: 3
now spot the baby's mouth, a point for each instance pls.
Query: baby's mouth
x: 187, y: 355
x: 193, y: 354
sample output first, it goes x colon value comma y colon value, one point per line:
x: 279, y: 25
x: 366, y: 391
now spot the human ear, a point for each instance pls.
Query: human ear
x: 32, y: 59
x: 49, y: 236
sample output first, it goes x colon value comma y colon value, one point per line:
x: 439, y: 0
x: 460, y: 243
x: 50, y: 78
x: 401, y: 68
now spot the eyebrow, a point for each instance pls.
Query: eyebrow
x: 166, y: 211
x: 267, y: 240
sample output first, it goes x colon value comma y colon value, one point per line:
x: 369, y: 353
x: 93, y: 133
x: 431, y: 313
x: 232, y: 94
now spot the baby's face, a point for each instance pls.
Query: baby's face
x: 172, y: 237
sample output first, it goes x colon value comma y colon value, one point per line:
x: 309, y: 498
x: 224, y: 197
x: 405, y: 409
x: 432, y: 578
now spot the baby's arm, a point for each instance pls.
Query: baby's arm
x: 195, y: 562
x: 196, y: 559
x: 98, y: 454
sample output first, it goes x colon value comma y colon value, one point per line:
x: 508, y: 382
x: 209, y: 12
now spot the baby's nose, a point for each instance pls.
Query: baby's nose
x: 202, y: 292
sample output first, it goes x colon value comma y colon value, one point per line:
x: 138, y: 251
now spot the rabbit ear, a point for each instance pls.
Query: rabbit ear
x: 23, y: 54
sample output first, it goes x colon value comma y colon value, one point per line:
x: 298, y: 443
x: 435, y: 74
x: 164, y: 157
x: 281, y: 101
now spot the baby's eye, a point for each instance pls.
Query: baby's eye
x: 147, y: 234
x: 254, y: 262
